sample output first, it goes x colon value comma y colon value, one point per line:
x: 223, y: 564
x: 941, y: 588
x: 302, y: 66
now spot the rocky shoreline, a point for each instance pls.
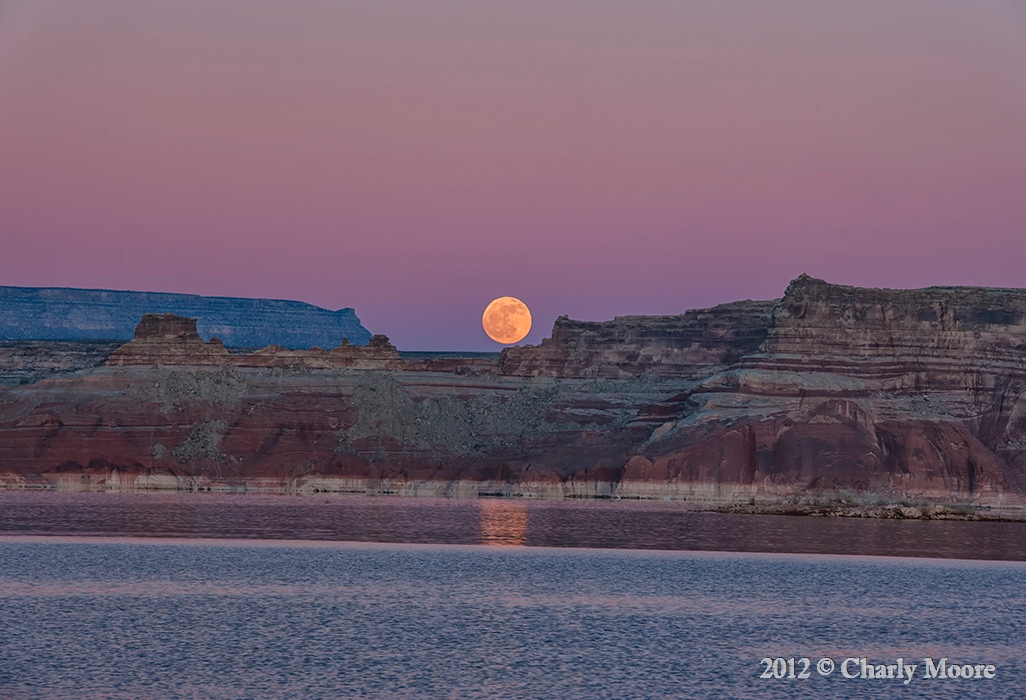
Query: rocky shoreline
x: 924, y: 511
x: 824, y: 507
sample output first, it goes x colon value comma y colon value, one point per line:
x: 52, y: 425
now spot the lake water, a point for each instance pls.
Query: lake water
x: 216, y: 596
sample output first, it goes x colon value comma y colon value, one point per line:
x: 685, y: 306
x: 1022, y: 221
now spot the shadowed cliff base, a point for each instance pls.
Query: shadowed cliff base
x: 832, y: 400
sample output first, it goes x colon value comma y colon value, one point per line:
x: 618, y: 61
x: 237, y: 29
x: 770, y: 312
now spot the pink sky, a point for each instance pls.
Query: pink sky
x: 416, y: 159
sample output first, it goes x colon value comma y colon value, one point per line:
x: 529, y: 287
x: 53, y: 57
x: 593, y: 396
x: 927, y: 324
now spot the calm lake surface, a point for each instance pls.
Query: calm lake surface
x: 230, y: 596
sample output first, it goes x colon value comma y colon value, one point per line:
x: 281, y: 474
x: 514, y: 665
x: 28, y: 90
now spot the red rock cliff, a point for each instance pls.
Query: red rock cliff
x: 833, y: 391
x: 900, y: 393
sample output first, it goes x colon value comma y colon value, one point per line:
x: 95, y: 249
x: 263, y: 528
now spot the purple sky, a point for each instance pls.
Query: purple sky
x: 416, y: 159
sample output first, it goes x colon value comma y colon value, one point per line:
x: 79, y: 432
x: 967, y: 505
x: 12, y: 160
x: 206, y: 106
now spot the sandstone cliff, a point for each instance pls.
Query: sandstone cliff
x: 30, y: 313
x: 899, y: 393
x: 697, y: 343
x: 167, y: 339
x: 830, y: 394
x: 334, y: 429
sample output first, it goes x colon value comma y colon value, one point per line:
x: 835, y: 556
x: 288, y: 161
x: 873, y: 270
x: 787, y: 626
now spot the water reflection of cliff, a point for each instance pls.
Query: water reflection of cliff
x: 503, y: 523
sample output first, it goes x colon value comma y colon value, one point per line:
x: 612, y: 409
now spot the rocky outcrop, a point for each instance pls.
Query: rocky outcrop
x: 937, y: 338
x: 903, y: 394
x: 843, y: 395
x: 724, y: 454
x: 163, y: 339
x: 167, y: 339
x: 697, y: 343
x: 31, y: 313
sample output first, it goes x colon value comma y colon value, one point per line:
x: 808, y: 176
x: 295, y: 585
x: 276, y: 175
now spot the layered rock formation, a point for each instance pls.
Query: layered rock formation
x: 341, y: 430
x: 901, y: 394
x: 696, y: 343
x: 27, y: 361
x: 167, y: 339
x: 30, y: 313
x: 162, y: 339
x: 841, y: 394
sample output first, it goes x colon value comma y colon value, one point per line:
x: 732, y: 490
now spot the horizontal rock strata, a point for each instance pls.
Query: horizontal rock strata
x: 693, y: 344
x: 27, y: 361
x: 892, y: 393
x: 330, y: 429
x: 47, y: 313
x: 167, y: 339
x: 842, y: 395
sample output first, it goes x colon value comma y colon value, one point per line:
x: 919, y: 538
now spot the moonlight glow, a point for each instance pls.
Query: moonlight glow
x: 507, y: 320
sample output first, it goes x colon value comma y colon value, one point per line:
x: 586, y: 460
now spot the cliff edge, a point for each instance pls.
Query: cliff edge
x: 831, y: 394
x: 51, y: 313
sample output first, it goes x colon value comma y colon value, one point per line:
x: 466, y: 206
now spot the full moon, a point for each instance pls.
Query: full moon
x: 507, y: 320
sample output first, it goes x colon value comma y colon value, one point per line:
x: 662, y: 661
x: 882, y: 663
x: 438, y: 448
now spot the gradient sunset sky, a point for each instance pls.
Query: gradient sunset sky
x: 416, y: 159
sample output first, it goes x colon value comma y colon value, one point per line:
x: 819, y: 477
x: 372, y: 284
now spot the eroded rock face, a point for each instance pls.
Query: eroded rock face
x: 167, y: 328
x: 696, y: 343
x: 872, y: 396
x: 901, y: 394
x: 27, y: 361
x: 335, y: 429
x: 940, y: 337
x: 826, y: 446
x: 167, y: 339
